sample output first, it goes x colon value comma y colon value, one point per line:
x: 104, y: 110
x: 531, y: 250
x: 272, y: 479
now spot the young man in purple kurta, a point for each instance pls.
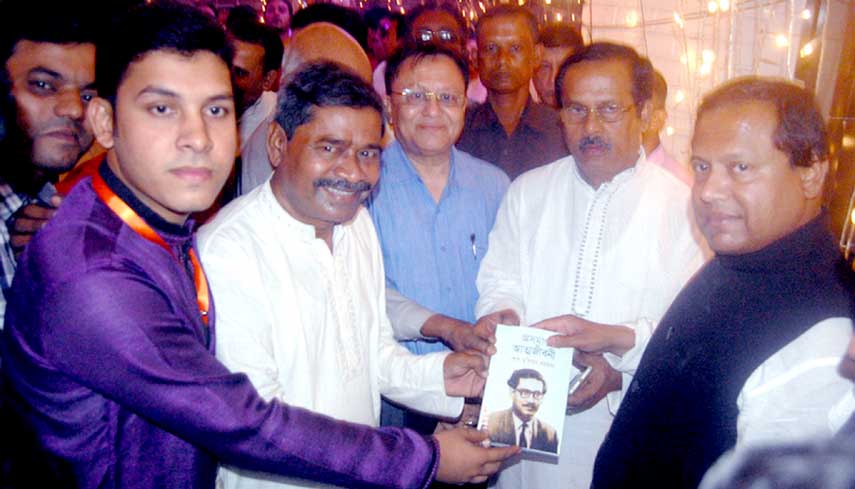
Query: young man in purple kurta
x: 109, y: 340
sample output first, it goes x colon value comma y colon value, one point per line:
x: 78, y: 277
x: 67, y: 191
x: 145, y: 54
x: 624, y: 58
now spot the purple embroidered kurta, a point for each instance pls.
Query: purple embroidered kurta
x: 111, y: 368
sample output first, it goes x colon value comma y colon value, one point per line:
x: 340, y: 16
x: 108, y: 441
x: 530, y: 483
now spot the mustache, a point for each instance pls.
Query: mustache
x: 588, y: 141
x: 344, y: 185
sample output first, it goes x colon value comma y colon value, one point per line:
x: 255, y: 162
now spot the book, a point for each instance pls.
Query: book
x: 525, y: 397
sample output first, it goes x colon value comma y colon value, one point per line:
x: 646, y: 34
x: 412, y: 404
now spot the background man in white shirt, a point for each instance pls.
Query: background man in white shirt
x: 748, y: 350
x: 297, y: 271
x: 601, y: 235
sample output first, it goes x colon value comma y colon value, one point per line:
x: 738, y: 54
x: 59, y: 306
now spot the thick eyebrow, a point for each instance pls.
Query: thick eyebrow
x: 155, y: 90
x: 45, y: 71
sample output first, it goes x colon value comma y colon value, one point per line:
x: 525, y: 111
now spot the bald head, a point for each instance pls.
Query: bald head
x: 325, y: 41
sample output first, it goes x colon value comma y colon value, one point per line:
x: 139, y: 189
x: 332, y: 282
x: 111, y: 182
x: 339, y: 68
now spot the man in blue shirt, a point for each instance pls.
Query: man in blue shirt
x: 433, y: 208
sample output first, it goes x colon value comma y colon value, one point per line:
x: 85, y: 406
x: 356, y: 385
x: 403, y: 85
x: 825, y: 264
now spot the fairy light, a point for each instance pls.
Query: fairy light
x: 679, y: 96
x: 782, y: 41
x: 808, y: 49
x: 724, y: 5
x: 712, y: 6
x: 559, y: 17
x: 708, y: 56
x: 848, y: 142
x: 669, y: 130
x: 631, y: 18
x: 678, y: 20
x: 806, y: 14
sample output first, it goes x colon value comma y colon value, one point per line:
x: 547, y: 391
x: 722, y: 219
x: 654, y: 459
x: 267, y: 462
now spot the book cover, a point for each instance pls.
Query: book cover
x: 525, y: 397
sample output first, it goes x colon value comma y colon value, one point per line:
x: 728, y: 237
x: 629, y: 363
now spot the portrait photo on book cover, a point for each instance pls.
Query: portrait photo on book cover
x: 519, y: 423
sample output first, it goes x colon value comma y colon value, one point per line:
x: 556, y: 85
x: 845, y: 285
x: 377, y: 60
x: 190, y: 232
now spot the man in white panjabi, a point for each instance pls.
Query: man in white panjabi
x: 602, y: 235
x: 297, y: 275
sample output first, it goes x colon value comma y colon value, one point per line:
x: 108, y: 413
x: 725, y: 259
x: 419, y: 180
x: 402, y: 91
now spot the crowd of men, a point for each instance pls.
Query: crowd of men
x: 246, y: 254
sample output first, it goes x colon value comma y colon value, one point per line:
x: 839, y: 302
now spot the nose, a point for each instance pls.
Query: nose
x: 431, y: 105
x: 194, y: 134
x: 710, y: 185
x: 349, y: 168
x: 69, y: 105
x: 592, y: 123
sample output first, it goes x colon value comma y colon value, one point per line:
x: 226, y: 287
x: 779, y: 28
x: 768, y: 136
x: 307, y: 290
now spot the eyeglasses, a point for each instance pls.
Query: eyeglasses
x: 427, y: 35
x: 420, y: 98
x: 527, y: 394
x: 606, y: 112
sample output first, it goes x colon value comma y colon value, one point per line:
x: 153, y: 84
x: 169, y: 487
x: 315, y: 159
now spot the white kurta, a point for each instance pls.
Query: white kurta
x: 616, y: 255
x: 309, y: 326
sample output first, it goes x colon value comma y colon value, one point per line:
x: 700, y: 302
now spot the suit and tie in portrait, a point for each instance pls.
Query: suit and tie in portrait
x: 518, y: 425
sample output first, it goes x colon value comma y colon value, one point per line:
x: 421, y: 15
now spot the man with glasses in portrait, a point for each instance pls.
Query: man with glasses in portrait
x: 519, y: 425
x: 600, y: 236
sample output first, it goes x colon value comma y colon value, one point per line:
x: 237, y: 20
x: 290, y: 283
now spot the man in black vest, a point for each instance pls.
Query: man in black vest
x: 747, y: 352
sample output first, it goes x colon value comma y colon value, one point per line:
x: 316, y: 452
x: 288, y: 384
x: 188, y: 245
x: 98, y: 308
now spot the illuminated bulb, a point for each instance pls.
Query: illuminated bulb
x: 548, y: 2
x: 708, y: 56
x: 403, y: 11
x: 808, y: 49
x: 848, y: 142
x: 678, y: 20
x: 669, y: 130
x: 559, y: 17
x: 631, y: 18
x: 724, y: 5
x: 704, y: 70
x: 782, y: 41
x: 806, y: 15
x: 679, y: 96
x: 573, y: 17
x: 712, y: 6
x: 683, y: 59
x: 852, y: 216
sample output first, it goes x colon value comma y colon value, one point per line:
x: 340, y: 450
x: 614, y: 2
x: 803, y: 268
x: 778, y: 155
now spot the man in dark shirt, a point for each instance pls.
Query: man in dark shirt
x: 510, y: 130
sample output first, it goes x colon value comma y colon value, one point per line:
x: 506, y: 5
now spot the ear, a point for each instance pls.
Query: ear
x: 813, y: 178
x: 538, y: 57
x: 646, y: 114
x: 387, y: 109
x: 100, y: 116
x: 277, y: 144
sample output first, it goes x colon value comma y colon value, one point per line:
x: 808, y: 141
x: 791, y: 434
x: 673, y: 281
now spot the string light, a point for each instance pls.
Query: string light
x: 848, y: 142
x: 782, y: 41
x: 708, y: 56
x: 669, y: 130
x: 631, y: 18
x: 806, y: 14
x: 679, y: 96
x: 678, y: 20
x: 724, y: 5
x: 712, y: 6
x: 808, y: 49
x: 559, y: 17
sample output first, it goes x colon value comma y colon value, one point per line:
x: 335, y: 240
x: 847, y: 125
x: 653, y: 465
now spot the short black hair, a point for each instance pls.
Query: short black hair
x: 417, y: 53
x: 347, y: 19
x: 640, y: 68
x: 322, y: 84
x: 800, y: 132
x: 254, y: 32
x: 160, y: 26
x: 374, y: 15
x: 525, y: 373
x: 506, y: 10
x: 561, y: 34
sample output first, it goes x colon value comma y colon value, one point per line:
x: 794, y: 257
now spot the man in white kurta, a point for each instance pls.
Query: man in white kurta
x: 297, y: 276
x: 609, y: 240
